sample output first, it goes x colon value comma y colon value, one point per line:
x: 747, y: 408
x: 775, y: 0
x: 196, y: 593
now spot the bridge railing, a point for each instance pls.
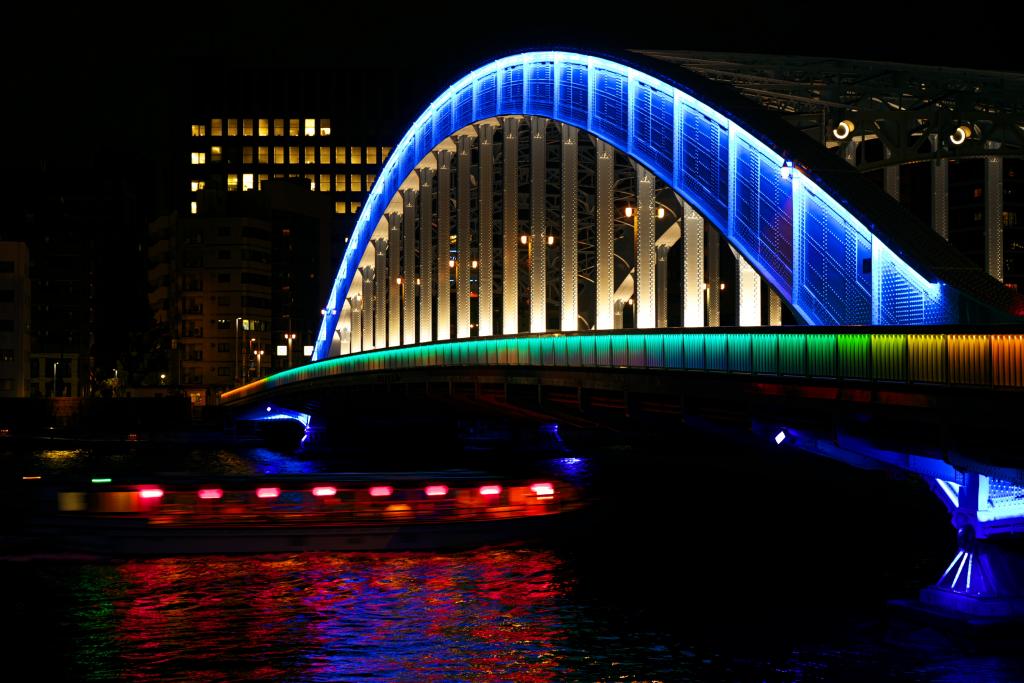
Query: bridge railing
x: 931, y: 356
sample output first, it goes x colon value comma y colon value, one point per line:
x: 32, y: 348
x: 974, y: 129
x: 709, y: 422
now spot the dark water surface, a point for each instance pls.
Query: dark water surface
x: 709, y: 565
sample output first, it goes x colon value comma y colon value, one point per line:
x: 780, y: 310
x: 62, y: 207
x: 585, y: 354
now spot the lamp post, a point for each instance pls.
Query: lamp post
x: 289, y: 337
x: 56, y: 363
x: 259, y: 361
x: 236, y: 350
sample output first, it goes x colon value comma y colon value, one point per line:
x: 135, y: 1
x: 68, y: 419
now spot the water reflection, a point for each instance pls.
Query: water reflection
x: 491, y: 614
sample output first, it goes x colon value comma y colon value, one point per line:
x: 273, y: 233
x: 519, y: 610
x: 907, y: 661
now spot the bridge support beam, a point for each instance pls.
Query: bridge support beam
x: 570, y: 228
x: 694, y: 286
x: 464, y: 246
x: 426, y: 289
x: 891, y: 178
x: 748, y: 285
x: 444, y: 230
x: 485, y: 274
x: 538, y: 229
x: 408, y: 287
x: 368, y: 306
x: 994, y: 216
x: 661, y: 285
x: 510, y: 226
x: 394, y: 273
x: 378, y: 315
x: 645, y: 306
x: 713, y: 277
x: 774, y: 308
x: 604, y: 280
x: 355, y: 338
x: 940, y: 197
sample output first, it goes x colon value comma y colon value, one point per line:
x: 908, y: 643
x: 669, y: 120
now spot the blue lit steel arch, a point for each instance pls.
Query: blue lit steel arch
x: 832, y: 266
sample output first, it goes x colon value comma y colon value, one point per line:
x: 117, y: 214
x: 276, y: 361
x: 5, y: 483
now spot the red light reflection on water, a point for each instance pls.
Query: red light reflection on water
x: 481, y: 615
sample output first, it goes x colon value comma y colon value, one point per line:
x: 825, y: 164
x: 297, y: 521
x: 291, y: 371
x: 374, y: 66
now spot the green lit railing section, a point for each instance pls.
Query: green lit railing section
x: 978, y: 359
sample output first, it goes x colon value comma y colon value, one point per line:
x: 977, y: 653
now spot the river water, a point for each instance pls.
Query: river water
x: 692, y: 565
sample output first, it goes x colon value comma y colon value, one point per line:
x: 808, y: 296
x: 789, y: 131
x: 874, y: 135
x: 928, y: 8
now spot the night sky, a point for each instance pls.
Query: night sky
x: 100, y: 99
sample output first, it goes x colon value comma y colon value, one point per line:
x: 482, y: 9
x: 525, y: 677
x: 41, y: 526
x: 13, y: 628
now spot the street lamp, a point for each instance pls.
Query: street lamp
x: 55, y: 377
x: 289, y: 337
x: 259, y: 358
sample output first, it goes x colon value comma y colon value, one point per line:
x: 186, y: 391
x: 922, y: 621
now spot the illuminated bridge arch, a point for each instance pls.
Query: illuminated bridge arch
x: 836, y: 249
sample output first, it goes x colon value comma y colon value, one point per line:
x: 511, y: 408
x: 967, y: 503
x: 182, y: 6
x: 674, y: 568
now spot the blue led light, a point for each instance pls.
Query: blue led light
x: 821, y: 259
x: 780, y: 437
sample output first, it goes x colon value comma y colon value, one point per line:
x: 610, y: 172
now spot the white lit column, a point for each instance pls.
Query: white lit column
x: 426, y: 289
x: 604, y: 280
x: 408, y: 288
x: 444, y: 229
x: 693, y: 268
x: 774, y: 308
x: 748, y: 282
x: 661, y: 284
x: 464, y: 245
x: 380, y: 335
x: 356, y: 338
x: 713, y: 293
x: 394, y: 273
x: 570, y: 228
x: 510, y: 226
x: 940, y: 197
x: 617, y: 312
x: 485, y: 286
x: 344, y: 329
x: 645, y: 304
x: 367, y: 305
x: 538, y: 236
x: 994, y: 217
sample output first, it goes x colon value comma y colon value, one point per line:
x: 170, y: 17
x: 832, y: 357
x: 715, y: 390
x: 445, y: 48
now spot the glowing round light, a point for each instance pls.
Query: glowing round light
x: 843, y: 129
x: 629, y: 212
x: 324, y: 491
x: 661, y: 212
x: 490, y: 490
x: 780, y: 437
x: 543, y: 489
x: 151, y: 493
x: 211, y: 494
x: 381, y: 491
x: 960, y: 135
x: 523, y: 239
x: 786, y: 170
x: 436, y: 490
x: 268, y: 492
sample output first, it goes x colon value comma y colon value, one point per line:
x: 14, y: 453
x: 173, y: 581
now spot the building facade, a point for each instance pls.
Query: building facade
x: 15, y: 314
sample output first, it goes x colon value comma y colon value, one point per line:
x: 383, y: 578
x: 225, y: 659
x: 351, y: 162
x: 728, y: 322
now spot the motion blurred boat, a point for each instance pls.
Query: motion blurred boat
x: 412, y: 511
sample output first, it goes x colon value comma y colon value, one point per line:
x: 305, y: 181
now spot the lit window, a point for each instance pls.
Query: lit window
x: 356, y: 155
x: 311, y: 155
x: 371, y: 155
x: 325, y: 155
x: 339, y: 182
x: 356, y: 183
x: 198, y: 157
x: 264, y: 127
x: 279, y: 175
x: 232, y: 182
x: 263, y: 177
x: 247, y: 127
x: 293, y: 127
x: 215, y: 153
x: 339, y: 155
x: 247, y: 155
x: 293, y: 155
x: 232, y: 127
x: 312, y: 181
x: 263, y: 155
x: 194, y: 207
x: 279, y: 155
x: 384, y: 152
x: 310, y: 127
x: 369, y: 180
x: 354, y: 206
x: 339, y: 207
x: 279, y: 127
x: 198, y: 130
x: 217, y: 127
x: 198, y: 185
x: 325, y: 182
x: 247, y: 182
x: 325, y: 126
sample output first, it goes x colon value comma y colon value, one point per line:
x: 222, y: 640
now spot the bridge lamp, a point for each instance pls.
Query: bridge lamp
x: 474, y: 264
x: 780, y: 437
x: 551, y: 240
x: 843, y: 129
x: 661, y: 212
x: 786, y: 170
x: 451, y: 263
x: 629, y: 212
x: 398, y: 280
x: 523, y: 239
x: 961, y: 134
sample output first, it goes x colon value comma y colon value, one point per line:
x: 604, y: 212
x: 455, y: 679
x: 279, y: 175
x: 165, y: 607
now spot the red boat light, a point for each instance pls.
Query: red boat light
x: 324, y: 491
x: 211, y: 494
x: 380, y: 491
x: 437, y: 490
x: 268, y: 492
x: 491, y: 490
x: 151, y: 493
x: 544, y: 489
